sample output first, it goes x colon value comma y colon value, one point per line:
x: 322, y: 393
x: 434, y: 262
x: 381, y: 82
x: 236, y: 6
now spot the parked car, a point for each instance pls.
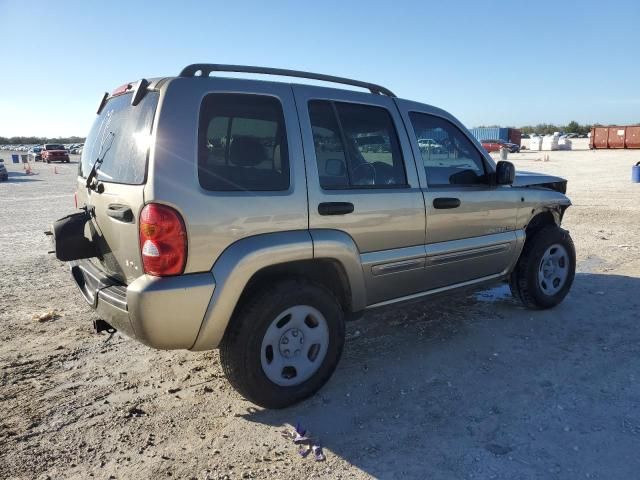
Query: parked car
x: 496, y: 145
x: 76, y: 149
x: 512, y: 147
x: 4, y: 175
x: 430, y: 146
x: 35, y: 154
x: 276, y: 225
x: 54, y: 152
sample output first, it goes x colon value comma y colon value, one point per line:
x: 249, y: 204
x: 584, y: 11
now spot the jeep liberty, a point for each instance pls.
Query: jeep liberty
x: 256, y: 217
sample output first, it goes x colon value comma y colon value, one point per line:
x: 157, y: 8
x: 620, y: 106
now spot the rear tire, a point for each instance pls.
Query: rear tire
x: 253, y: 349
x: 546, y: 269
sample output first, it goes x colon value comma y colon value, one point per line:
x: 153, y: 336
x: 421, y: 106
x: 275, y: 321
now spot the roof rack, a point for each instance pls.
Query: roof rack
x: 206, y: 68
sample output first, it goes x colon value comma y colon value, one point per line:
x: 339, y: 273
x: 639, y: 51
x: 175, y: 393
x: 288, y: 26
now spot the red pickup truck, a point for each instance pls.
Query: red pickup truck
x: 54, y: 152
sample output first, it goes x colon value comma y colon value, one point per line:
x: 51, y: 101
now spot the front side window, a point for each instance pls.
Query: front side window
x: 242, y: 144
x: 448, y: 156
x: 355, y: 145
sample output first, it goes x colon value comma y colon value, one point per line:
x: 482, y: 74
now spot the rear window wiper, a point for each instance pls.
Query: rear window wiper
x: 96, y: 165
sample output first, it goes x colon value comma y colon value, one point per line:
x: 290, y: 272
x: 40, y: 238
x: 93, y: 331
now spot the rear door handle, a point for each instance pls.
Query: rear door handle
x: 120, y: 212
x: 446, y: 202
x: 335, y: 208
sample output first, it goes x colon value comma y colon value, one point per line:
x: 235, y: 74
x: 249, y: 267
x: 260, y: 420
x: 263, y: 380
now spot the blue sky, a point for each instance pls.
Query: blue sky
x: 487, y: 62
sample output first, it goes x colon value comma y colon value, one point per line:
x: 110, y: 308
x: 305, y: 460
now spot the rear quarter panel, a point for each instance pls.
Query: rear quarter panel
x: 215, y: 220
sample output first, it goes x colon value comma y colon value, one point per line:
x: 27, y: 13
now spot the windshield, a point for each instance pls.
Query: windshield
x: 120, y: 136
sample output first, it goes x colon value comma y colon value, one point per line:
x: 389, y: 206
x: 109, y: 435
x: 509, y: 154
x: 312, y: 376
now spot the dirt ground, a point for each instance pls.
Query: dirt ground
x: 465, y: 386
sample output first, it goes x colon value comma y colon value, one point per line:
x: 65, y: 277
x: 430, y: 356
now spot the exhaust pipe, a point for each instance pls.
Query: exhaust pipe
x: 101, y: 326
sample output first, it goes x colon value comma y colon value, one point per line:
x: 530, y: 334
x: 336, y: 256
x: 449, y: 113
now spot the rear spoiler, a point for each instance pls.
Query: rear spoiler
x: 139, y: 92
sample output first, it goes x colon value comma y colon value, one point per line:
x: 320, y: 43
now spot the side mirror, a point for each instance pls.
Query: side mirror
x: 505, y: 173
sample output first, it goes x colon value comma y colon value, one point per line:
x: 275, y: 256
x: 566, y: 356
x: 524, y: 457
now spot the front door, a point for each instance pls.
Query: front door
x: 470, y: 221
x: 362, y: 180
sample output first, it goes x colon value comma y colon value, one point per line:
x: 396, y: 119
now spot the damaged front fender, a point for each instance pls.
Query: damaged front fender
x: 543, y: 199
x: 532, y: 179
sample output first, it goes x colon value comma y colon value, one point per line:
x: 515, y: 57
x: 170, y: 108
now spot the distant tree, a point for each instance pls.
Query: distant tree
x: 573, y: 127
x: 39, y: 140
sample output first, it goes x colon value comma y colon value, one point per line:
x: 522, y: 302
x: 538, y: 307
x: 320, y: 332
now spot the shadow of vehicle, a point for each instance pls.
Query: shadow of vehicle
x: 19, y: 177
x: 456, y: 387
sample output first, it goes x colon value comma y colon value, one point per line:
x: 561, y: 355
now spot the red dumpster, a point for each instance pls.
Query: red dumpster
x: 632, y: 138
x: 616, y: 137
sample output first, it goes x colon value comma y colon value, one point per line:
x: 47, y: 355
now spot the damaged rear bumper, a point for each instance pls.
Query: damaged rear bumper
x: 154, y: 310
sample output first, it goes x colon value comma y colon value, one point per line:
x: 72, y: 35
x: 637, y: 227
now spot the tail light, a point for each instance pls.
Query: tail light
x: 163, y: 240
x: 75, y: 199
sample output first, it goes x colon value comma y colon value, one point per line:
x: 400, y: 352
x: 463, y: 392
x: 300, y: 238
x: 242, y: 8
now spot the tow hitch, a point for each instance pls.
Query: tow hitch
x: 102, y: 326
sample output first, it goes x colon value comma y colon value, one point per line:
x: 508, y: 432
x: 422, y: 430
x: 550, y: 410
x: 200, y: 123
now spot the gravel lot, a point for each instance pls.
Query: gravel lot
x: 465, y: 386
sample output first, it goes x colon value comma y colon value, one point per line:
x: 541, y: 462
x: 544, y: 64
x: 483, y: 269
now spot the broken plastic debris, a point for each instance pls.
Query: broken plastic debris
x: 301, y: 437
x: 304, y: 451
x: 45, y: 317
x: 318, y: 453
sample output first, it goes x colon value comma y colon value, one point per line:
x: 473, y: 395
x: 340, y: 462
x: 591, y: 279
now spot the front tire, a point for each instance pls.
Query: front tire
x: 284, y: 343
x: 546, y: 269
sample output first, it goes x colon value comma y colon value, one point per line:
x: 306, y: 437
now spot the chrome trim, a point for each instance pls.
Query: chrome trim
x: 474, y: 245
x: 394, y: 260
x: 441, y: 258
x: 395, y: 267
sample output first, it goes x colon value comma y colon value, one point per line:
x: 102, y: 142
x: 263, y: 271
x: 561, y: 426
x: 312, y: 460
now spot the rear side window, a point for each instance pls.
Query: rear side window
x: 356, y: 146
x: 121, y: 136
x: 242, y: 143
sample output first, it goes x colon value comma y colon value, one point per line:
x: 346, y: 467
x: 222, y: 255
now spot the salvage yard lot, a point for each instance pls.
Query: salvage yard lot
x: 464, y: 386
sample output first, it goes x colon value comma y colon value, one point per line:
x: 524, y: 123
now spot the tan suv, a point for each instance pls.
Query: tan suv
x: 258, y: 216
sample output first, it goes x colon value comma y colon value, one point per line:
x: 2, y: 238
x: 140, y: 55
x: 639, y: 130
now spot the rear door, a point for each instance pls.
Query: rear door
x: 470, y: 221
x: 120, y: 136
x: 362, y: 180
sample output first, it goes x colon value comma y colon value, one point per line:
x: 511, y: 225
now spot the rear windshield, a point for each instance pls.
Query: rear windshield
x: 121, y: 136
x: 54, y: 147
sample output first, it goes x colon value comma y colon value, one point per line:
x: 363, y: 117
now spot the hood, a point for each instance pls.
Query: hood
x: 530, y: 179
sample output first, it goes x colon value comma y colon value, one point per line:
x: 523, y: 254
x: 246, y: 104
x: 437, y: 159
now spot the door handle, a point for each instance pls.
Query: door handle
x: 120, y: 212
x: 446, y: 202
x: 335, y: 208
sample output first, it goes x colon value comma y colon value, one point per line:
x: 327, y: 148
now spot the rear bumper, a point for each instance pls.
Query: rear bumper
x: 162, y: 312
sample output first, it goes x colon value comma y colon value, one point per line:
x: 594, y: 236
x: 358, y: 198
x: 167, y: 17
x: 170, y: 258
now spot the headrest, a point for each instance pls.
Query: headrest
x: 247, y: 152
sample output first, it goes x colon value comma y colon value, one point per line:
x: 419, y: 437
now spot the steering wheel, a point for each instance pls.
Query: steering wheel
x: 364, y: 174
x: 385, y: 173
